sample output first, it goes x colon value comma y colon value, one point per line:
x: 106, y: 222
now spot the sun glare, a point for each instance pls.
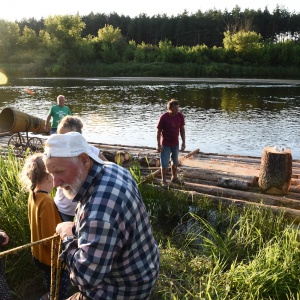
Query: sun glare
x: 3, y: 78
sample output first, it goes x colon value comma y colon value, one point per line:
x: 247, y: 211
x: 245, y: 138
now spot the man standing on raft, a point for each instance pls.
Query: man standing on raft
x: 170, y: 124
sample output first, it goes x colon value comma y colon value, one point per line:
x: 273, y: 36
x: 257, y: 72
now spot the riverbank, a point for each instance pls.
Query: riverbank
x: 258, y: 81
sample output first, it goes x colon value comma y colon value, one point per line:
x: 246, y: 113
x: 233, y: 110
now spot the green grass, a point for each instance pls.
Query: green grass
x: 207, y: 251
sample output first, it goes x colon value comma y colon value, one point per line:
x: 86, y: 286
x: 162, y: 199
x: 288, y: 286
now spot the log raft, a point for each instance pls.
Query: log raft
x: 231, y: 179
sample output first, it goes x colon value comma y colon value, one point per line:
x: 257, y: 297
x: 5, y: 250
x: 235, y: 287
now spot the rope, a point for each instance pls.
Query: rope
x: 55, y: 268
x: 55, y: 265
x: 17, y: 249
x: 58, y: 272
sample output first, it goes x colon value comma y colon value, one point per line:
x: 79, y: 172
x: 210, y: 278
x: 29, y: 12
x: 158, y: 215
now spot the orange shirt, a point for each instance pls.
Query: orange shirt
x: 43, y: 217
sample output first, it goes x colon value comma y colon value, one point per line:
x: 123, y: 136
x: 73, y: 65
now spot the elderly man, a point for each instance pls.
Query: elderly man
x: 57, y: 112
x: 110, y: 251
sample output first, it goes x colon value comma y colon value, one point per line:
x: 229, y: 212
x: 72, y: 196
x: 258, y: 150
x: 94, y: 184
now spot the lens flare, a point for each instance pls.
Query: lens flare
x: 3, y: 78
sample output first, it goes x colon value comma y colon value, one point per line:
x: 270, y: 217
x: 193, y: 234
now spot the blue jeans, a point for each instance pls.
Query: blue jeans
x: 165, y: 156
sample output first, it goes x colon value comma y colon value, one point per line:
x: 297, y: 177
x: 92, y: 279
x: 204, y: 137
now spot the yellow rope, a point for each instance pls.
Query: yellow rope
x: 17, y: 249
x: 55, y: 265
x: 54, y: 268
x: 58, y: 272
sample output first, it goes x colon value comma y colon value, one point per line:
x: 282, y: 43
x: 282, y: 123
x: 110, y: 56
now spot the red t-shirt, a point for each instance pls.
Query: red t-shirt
x: 170, y: 126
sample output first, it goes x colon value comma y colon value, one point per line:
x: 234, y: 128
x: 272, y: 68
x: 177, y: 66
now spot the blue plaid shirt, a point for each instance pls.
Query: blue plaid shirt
x: 113, y: 254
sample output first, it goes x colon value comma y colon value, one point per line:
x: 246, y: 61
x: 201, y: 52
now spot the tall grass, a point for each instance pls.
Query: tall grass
x: 255, y: 255
x: 14, y: 221
x: 207, y: 251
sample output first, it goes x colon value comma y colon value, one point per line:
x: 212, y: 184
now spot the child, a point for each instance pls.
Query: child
x: 43, y: 217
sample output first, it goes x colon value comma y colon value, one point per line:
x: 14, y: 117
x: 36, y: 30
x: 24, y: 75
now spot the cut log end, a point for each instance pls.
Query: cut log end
x: 275, y: 171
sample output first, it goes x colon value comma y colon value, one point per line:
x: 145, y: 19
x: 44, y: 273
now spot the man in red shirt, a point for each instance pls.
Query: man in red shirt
x: 170, y: 124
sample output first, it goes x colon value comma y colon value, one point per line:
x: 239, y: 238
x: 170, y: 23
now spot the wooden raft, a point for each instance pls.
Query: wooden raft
x: 217, y: 177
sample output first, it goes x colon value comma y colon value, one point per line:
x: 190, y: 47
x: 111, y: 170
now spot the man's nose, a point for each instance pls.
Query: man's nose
x: 56, y: 181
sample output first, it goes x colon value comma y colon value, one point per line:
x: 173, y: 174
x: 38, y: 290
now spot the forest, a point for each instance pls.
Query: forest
x: 213, y: 43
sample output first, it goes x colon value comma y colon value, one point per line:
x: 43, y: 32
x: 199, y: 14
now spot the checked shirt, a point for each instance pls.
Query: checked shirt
x: 113, y: 254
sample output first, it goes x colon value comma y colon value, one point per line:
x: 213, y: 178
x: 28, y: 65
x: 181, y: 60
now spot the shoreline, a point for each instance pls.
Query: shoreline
x: 175, y: 79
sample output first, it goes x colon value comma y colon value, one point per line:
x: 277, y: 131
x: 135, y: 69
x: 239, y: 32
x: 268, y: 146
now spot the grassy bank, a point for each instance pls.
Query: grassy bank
x: 207, y: 252
x: 159, y: 69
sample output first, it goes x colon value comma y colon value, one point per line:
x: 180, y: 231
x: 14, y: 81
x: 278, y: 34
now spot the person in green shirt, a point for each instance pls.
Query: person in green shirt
x: 57, y: 112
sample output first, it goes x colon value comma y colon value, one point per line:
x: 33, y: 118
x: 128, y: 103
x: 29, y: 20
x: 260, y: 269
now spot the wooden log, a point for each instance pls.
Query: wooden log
x: 295, y: 182
x: 158, y: 172
x: 190, y: 154
x: 275, y: 171
x: 244, y: 195
x: 241, y: 159
x: 232, y: 183
x: 109, y: 155
x: 148, y: 161
x: 215, y: 175
x: 293, y: 215
x: 126, y: 155
x: 118, y: 157
x: 5, y: 133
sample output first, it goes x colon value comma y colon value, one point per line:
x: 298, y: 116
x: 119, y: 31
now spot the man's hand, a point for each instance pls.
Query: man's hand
x: 159, y: 148
x: 64, y: 229
x: 4, y: 238
x: 183, y: 147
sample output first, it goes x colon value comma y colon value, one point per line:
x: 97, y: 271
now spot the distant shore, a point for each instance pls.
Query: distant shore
x: 174, y: 79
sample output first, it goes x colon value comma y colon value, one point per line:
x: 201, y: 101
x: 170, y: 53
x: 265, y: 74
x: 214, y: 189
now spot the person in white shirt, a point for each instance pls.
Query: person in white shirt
x: 64, y: 205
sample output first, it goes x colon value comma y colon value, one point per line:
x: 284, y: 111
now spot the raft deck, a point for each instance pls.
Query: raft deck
x: 205, y: 174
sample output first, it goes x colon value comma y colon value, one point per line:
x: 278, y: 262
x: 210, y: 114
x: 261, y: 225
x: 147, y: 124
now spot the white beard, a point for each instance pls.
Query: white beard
x: 73, y: 188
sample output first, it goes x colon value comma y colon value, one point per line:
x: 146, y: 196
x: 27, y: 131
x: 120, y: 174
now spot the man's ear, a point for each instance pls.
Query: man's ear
x: 85, y: 159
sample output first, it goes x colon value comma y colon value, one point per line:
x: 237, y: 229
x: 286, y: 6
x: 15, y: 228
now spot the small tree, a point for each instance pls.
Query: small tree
x: 113, y: 44
x: 242, y: 41
x: 29, y: 39
x: 245, y: 44
x: 9, y: 38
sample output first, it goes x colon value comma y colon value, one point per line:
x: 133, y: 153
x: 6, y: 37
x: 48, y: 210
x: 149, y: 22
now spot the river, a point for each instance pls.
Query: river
x: 222, y: 116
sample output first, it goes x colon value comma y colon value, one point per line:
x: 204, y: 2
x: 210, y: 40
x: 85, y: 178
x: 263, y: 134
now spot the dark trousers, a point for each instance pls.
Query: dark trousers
x: 4, y: 290
x: 64, y: 279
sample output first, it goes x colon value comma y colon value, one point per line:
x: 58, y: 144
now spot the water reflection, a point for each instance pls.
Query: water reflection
x: 220, y: 117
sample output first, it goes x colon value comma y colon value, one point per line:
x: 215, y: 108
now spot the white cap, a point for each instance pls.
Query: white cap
x: 70, y: 144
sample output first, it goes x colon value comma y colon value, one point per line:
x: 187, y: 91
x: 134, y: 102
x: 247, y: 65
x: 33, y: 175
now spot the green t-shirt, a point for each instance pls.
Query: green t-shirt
x: 57, y: 113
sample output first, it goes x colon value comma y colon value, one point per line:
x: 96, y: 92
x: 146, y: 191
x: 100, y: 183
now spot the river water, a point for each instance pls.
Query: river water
x: 236, y: 117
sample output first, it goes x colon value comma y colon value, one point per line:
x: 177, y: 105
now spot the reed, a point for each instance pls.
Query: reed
x: 14, y: 220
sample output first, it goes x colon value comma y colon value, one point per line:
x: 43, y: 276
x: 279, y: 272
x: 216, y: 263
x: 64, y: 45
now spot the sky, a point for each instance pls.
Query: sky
x: 12, y: 10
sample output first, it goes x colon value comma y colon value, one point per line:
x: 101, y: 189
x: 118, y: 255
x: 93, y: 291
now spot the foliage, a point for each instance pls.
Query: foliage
x: 58, y: 44
x: 253, y: 255
x: 14, y: 220
x: 207, y: 251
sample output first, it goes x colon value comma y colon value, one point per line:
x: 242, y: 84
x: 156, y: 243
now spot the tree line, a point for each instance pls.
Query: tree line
x: 63, y: 44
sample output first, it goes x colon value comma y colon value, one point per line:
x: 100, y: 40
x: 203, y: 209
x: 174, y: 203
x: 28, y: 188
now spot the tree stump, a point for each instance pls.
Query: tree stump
x: 275, y: 171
